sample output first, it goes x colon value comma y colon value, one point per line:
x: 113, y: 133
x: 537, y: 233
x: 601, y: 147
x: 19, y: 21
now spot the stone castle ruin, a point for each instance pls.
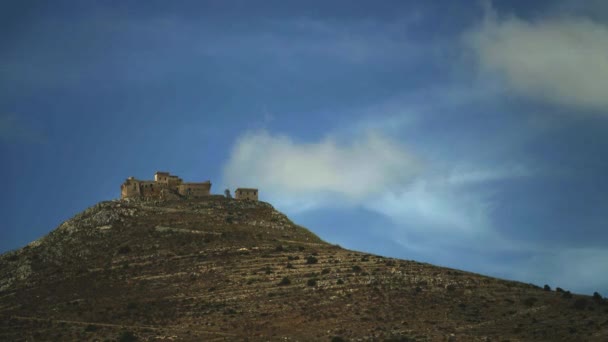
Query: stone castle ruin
x: 246, y: 193
x: 168, y: 186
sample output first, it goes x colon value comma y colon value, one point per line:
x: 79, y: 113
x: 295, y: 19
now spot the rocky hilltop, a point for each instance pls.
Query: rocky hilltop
x: 220, y: 269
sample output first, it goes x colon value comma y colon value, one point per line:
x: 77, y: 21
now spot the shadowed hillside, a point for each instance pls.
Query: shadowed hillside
x: 222, y: 269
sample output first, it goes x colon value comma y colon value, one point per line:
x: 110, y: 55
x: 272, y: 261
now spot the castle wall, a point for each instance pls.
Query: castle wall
x: 150, y: 188
x: 174, y: 181
x: 195, y: 189
x: 130, y: 188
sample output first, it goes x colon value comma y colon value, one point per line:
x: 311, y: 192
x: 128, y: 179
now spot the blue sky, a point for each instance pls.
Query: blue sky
x: 469, y: 135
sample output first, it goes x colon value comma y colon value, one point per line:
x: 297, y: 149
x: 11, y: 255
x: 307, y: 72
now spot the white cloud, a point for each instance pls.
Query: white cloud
x: 467, y: 174
x: 450, y: 203
x: 562, y: 60
x: 433, y: 207
x: 353, y: 171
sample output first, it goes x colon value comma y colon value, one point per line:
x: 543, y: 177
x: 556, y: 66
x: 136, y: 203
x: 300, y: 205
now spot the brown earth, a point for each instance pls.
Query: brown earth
x: 220, y: 269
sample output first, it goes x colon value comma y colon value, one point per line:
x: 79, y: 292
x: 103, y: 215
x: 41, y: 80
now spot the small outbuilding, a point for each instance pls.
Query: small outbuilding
x: 246, y: 194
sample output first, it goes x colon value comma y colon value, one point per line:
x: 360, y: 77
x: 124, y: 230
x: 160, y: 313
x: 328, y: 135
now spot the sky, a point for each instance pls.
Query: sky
x: 468, y: 134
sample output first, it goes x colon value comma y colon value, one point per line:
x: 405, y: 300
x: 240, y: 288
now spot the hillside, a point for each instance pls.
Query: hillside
x: 221, y: 269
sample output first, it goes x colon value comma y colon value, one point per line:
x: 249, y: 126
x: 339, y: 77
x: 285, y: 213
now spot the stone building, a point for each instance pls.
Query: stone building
x: 246, y: 193
x: 163, y: 186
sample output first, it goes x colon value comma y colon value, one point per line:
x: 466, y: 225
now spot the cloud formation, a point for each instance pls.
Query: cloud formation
x: 436, y: 207
x: 561, y: 60
x: 372, y: 172
x: 369, y: 165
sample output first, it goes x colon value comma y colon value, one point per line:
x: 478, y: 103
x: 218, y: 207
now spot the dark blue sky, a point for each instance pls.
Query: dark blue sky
x: 469, y: 135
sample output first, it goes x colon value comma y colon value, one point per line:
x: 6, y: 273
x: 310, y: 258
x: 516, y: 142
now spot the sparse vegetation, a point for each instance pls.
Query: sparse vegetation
x: 246, y: 286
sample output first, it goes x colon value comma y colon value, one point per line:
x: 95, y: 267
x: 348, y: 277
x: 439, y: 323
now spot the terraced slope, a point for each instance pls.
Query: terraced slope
x: 221, y: 269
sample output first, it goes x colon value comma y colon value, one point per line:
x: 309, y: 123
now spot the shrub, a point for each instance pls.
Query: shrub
x: 337, y: 339
x: 357, y: 268
x: 567, y: 294
x: 124, y: 249
x: 340, y: 282
x: 547, y: 287
x: 289, y: 265
x: 451, y: 287
x: 90, y: 328
x: 285, y: 281
x: 311, y: 260
x: 311, y: 282
x: 580, y: 304
x: 127, y: 336
x: 597, y: 297
x: 325, y: 271
x: 398, y: 338
x: 559, y: 290
x: 530, y: 301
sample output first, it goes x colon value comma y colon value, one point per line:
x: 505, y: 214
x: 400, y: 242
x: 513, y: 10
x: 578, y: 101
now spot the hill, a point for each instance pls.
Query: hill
x: 221, y: 269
